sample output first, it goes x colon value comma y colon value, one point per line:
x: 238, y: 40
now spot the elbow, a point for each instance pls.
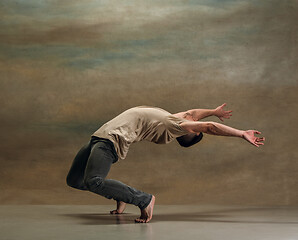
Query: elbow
x: 210, y: 127
x: 205, y: 127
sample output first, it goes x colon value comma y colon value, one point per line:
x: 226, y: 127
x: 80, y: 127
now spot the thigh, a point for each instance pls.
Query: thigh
x: 99, y: 162
x: 79, y: 163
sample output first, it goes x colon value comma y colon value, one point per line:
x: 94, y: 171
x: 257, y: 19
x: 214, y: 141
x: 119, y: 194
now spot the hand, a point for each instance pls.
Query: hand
x: 249, y: 136
x: 220, y: 113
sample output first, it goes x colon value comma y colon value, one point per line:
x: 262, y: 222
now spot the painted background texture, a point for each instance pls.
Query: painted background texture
x: 66, y: 67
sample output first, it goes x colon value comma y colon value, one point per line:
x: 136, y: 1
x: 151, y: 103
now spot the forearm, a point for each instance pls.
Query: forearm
x: 219, y: 129
x: 198, y: 114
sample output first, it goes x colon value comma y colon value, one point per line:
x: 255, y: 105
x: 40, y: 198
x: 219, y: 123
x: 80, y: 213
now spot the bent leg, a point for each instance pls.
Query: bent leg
x: 98, y: 166
x: 75, y: 177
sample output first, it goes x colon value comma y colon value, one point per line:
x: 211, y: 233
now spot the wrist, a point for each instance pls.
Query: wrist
x: 242, y: 132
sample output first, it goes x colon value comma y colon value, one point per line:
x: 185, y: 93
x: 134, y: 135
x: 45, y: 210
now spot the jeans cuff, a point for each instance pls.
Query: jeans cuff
x: 144, y: 204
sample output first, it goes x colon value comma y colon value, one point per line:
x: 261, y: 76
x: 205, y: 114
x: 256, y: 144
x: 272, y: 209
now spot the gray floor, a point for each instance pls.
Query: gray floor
x: 169, y: 222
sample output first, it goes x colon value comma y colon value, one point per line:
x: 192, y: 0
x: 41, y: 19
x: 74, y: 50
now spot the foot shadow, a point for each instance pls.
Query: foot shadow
x: 243, y: 215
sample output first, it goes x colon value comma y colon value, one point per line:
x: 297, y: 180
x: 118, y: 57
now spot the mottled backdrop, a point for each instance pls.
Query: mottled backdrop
x: 66, y: 67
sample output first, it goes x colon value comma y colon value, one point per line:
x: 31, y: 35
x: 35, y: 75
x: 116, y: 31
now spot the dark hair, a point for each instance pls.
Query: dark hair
x: 189, y: 139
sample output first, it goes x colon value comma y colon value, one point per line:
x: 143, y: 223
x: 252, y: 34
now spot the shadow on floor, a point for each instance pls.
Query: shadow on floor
x: 245, y: 215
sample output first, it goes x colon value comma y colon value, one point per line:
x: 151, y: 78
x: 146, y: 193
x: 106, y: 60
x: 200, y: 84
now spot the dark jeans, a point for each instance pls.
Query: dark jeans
x: 90, y: 168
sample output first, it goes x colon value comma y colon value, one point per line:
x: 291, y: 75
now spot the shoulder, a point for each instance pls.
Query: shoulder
x: 184, y: 115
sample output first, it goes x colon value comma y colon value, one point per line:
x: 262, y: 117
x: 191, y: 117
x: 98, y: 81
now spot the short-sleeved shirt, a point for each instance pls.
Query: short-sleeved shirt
x: 141, y: 123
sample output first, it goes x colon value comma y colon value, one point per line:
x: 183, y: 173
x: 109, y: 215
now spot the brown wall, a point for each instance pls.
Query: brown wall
x: 68, y: 67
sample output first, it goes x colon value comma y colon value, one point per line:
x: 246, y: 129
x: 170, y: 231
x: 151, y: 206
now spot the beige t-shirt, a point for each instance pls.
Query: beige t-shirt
x: 141, y: 123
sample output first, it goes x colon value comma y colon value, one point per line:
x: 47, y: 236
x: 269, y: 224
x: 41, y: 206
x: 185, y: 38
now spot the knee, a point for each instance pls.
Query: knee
x: 73, y: 182
x: 70, y: 182
x: 95, y: 183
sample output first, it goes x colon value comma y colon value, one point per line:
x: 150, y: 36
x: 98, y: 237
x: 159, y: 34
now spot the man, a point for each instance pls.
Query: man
x: 112, y: 140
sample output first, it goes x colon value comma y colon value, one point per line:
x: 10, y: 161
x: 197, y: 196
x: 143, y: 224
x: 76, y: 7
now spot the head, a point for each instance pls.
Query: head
x: 189, y: 139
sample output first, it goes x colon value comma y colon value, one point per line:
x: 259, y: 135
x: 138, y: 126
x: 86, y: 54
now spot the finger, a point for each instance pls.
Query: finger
x: 253, y: 143
x: 221, y: 119
x: 257, y: 132
x: 259, y: 139
x: 260, y: 143
x: 223, y: 105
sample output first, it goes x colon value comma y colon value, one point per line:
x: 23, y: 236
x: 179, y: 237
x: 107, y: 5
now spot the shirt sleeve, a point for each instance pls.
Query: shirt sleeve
x: 173, y: 126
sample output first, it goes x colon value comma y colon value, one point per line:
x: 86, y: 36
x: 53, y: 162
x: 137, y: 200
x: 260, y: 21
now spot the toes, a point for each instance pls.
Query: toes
x: 140, y: 220
x: 114, y: 212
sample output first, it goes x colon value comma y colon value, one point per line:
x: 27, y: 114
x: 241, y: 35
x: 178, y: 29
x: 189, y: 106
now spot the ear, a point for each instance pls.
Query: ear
x: 189, y: 139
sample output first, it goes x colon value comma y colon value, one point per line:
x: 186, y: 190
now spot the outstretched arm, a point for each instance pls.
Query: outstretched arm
x: 223, y: 130
x: 198, y: 114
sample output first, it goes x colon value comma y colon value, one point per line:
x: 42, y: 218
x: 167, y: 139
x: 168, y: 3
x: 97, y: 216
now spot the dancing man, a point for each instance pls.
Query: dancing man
x: 111, y: 142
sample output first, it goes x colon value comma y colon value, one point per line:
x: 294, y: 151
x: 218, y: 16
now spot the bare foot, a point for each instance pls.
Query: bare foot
x: 146, y: 213
x: 120, y: 208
